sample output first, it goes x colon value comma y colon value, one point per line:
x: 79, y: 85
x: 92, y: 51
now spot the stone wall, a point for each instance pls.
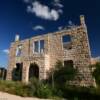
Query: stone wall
x: 53, y: 50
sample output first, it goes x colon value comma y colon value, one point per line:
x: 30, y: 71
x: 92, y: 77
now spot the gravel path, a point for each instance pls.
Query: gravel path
x: 6, y: 96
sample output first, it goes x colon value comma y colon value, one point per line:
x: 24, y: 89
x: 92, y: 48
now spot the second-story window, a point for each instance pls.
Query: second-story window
x: 36, y: 46
x: 41, y: 46
x: 66, y: 40
x: 19, y: 50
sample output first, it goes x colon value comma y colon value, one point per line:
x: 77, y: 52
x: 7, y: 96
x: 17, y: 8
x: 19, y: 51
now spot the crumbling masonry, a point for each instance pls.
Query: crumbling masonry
x: 42, y: 52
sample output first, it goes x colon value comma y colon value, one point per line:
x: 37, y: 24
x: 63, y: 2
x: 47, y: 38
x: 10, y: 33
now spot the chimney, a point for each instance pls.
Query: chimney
x: 16, y: 38
x: 82, y: 20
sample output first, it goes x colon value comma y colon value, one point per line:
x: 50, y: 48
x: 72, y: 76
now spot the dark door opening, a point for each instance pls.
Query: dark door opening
x: 68, y: 63
x: 33, y: 71
x: 17, y: 72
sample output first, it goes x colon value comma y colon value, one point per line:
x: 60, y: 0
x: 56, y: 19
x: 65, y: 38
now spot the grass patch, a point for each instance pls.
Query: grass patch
x: 16, y: 88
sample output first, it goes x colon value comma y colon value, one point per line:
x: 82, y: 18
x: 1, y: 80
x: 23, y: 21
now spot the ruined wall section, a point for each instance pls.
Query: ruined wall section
x: 42, y: 59
x: 82, y: 57
x: 79, y: 54
x: 68, y: 54
x: 12, y: 60
x: 55, y: 48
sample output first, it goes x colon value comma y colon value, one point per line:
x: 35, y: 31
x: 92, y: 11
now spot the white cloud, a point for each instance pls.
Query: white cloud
x: 6, y: 51
x: 57, y: 3
x: 26, y: 1
x: 60, y: 11
x: 60, y: 27
x: 38, y: 27
x: 43, y: 11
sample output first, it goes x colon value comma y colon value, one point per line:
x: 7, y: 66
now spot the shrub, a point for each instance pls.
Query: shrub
x: 81, y: 93
x: 62, y: 74
x: 96, y: 73
x: 16, y: 88
x: 34, y: 85
x: 44, y: 91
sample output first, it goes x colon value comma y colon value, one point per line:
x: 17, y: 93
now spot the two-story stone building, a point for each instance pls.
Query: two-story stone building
x: 37, y: 55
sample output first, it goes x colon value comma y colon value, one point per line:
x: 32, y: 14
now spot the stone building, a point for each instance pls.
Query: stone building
x: 37, y: 55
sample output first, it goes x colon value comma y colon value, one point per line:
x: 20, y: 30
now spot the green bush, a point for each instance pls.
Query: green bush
x: 57, y: 88
x: 34, y: 88
x: 16, y: 88
x: 44, y: 91
x: 81, y: 93
x: 96, y: 73
x: 57, y: 92
x: 34, y: 85
x: 61, y: 74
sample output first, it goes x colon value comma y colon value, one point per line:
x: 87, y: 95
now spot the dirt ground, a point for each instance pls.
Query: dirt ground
x: 6, y: 96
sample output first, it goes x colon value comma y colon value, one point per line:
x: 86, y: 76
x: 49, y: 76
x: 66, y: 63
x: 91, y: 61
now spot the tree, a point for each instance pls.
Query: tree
x: 62, y: 73
x: 96, y: 73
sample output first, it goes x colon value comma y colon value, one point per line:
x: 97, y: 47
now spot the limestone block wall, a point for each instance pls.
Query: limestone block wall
x: 28, y: 57
x: 53, y: 50
x: 82, y: 56
x: 42, y: 59
x: 12, y: 60
x: 79, y: 54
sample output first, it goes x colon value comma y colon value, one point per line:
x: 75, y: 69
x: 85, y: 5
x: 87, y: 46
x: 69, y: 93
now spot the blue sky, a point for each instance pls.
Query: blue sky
x: 33, y: 17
